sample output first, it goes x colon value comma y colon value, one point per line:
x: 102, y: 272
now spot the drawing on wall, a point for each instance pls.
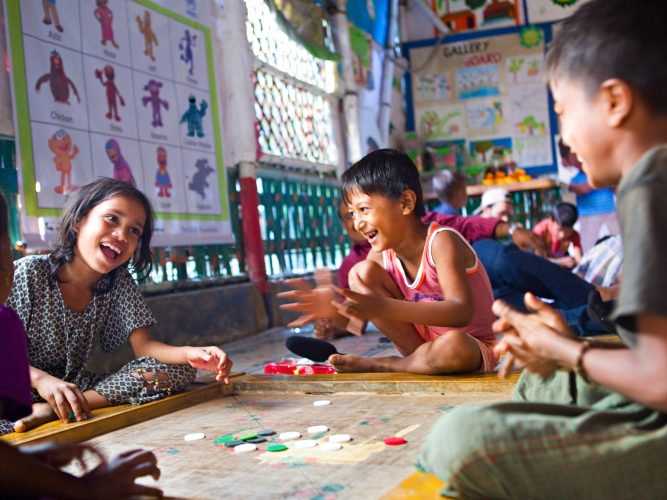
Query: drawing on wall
x: 58, y: 80
x: 433, y: 87
x: 162, y: 179
x: 51, y: 14
x: 194, y: 116
x: 64, y: 151
x: 199, y: 182
x: 153, y: 98
x: 465, y: 15
x: 478, y: 81
x: 541, y: 11
x: 150, y: 38
x: 496, y: 151
x: 528, y: 110
x: 441, y: 122
x: 484, y: 116
x: 121, y: 169
x: 112, y: 92
x: 186, y: 45
x: 104, y: 15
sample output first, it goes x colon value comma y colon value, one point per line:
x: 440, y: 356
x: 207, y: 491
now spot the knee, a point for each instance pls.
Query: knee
x: 365, y: 274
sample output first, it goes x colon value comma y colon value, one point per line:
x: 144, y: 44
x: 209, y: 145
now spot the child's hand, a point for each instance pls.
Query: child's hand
x: 58, y: 455
x: 63, y: 397
x: 532, y: 340
x: 117, y: 478
x: 313, y: 303
x: 212, y: 359
x: 358, y: 306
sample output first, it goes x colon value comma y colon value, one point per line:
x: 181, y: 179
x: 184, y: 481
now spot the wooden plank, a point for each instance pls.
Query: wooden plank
x: 115, y: 417
x: 417, y: 486
x: 378, y: 383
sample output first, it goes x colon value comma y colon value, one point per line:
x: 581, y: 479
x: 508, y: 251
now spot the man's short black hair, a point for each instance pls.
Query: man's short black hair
x: 386, y: 172
x: 566, y: 214
x: 622, y: 39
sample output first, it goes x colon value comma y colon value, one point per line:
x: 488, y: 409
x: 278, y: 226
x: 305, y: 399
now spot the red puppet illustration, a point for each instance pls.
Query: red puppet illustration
x: 58, y: 80
x: 64, y: 152
x: 112, y: 91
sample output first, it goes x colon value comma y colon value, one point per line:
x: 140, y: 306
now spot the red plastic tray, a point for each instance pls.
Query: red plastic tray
x: 290, y: 367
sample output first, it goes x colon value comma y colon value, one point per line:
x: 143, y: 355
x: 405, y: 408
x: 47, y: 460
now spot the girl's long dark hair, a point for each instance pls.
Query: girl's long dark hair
x: 89, y: 196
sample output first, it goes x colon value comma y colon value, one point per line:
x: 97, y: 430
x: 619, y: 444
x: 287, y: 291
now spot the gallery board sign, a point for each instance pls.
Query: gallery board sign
x: 122, y: 89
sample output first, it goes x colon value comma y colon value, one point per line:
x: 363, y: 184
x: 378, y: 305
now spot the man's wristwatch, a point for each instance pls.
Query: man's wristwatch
x: 513, y: 227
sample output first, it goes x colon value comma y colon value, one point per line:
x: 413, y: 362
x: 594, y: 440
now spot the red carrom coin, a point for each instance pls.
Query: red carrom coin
x: 394, y: 441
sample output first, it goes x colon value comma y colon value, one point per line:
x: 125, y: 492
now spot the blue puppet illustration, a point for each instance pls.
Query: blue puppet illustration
x: 186, y: 44
x: 193, y: 117
x: 198, y: 184
x: 153, y: 98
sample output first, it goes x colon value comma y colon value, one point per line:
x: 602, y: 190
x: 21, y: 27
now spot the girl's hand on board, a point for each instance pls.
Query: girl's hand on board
x: 63, y: 397
x: 59, y: 455
x: 212, y: 359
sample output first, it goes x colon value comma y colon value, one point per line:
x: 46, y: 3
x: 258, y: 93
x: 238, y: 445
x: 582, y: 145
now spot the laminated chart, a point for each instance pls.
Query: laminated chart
x: 123, y: 89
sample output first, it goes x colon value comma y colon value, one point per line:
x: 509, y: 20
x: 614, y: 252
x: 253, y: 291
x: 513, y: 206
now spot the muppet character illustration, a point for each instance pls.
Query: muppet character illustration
x: 64, y: 152
x: 121, y: 169
x: 162, y: 179
x: 193, y: 117
x: 51, y: 14
x: 112, y: 91
x: 153, y: 98
x: 198, y: 184
x: 105, y: 17
x: 186, y: 45
x: 58, y: 80
x: 150, y: 38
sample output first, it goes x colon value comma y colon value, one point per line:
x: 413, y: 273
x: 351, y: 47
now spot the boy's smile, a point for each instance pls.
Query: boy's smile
x: 109, y: 234
x: 377, y: 219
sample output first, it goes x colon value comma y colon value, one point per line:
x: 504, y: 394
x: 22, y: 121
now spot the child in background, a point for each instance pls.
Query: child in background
x: 589, y: 419
x: 558, y: 234
x: 597, y: 207
x: 450, y: 188
x: 33, y: 471
x: 421, y: 285
x: 83, y: 289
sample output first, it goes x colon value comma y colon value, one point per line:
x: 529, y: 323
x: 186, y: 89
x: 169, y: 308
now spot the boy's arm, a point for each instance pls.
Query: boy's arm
x: 455, y: 311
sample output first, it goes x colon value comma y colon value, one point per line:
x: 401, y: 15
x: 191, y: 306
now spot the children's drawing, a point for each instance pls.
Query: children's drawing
x: 111, y: 90
x: 191, y: 8
x: 434, y: 86
x: 478, y: 81
x: 150, y: 38
x: 526, y: 69
x: 484, y: 115
x: 64, y: 152
x: 514, y: 66
x: 531, y: 126
x: 499, y: 10
x: 443, y: 122
x: 193, y: 117
x: 58, y: 80
x: 186, y: 45
x: 153, y: 98
x: 51, y: 14
x: 121, y: 169
x: 198, y: 184
x: 162, y: 179
x: 529, y: 111
x: 105, y: 17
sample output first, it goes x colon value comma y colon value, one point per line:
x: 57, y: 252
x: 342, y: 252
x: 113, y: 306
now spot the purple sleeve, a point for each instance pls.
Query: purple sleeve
x: 472, y: 227
x: 15, y: 390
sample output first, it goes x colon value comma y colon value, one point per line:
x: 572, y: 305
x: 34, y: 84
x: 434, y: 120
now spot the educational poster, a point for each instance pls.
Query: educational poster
x: 123, y: 89
x: 545, y: 11
x: 488, y: 91
x: 463, y: 15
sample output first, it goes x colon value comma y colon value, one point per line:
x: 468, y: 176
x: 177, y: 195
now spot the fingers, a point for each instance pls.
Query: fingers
x: 141, y: 490
x: 506, y: 312
x: 547, y: 313
x: 302, y: 320
x: 297, y: 306
x: 507, y: 367
x: 502, y: 326
x: 297, y: 284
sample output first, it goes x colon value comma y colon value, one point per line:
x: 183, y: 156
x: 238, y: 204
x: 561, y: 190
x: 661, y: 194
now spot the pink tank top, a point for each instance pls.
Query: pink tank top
x: 426, y: 288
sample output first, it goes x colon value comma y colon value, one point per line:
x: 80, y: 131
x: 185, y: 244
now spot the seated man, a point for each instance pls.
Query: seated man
x: 450, y: 188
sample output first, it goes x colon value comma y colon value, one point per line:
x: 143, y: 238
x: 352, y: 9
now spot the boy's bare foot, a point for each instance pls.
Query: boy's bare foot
x: 357, y: 364
x: 41, y: 413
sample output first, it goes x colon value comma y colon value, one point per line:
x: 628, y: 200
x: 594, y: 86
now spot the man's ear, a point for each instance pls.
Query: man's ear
x: 617, y: 100
x: 408, y: 201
